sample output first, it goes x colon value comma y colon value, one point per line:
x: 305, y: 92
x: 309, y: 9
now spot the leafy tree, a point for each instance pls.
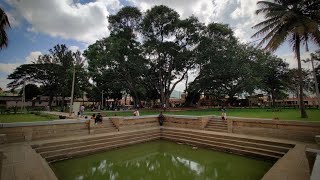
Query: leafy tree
x: 274, y: 77
x: 169, y: 44
x: 226, y: 67
x: 31, y: 91
x: 53, y: 72
x: 293, y: 81
x: 316, y: 58
x: 4, y: 23
x: 118, y: 55
x: 294, y: 20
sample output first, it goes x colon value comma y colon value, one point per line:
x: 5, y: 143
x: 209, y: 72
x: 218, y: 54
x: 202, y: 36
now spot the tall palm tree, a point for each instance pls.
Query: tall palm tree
x: 296, y: 21
x: 4, y: 22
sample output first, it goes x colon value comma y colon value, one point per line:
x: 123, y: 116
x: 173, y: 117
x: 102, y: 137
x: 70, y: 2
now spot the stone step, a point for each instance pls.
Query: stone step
x: 289, y: 146
x: 226, y: 149
x: 67, y: 144
x: 234, y: 141
x: 85, y: 152
x: 217, y: 125
x: 104, y: 124
x: 103, y: 130
x: 217, y: 121
x: 94, y: 145
x: 225, y: 144
x: 216, y: 130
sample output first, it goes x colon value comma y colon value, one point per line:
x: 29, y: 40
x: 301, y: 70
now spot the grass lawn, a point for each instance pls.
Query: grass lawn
x: 12, y: 118
x: 284, y: 114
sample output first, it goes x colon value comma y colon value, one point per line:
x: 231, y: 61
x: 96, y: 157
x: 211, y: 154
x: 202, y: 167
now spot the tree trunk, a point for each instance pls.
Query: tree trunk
x: 50, y: 100
x: 302, y: 107
x: 273, y: 98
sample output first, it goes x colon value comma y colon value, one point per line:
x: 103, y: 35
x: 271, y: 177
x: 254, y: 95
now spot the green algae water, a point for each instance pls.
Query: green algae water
x: 161, y: 160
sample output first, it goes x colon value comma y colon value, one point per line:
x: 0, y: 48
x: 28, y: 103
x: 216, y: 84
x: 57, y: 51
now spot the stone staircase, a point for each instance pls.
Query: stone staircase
x: 105, y: 127
x: 60, y: 150
x: 228, y: 143
x: 217, y: 125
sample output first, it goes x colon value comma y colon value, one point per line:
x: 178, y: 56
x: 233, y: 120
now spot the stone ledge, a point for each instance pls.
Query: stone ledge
x: 41, y: 123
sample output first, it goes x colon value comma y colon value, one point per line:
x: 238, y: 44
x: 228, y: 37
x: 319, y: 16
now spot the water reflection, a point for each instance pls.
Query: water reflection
x: 161, y: 160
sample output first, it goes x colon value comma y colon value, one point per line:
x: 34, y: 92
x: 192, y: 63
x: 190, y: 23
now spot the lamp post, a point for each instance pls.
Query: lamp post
x: 101, y: 100
x: 23, y: 96
x: 72, y: 90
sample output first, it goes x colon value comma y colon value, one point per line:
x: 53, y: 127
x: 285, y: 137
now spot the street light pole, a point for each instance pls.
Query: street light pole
x: 72, y: 90
x: 23, y: 96
x: 101, y: 100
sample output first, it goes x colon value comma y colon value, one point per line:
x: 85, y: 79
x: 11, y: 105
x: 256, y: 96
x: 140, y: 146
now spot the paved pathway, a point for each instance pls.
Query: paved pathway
x: 292, y: 166
x: 21, y: 162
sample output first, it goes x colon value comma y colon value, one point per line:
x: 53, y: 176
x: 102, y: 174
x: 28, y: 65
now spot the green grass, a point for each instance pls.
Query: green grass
x: 12, y: 118
x: 283, y: 114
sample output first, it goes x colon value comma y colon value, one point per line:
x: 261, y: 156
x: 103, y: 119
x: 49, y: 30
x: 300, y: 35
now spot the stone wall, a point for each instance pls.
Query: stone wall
x: 190, y: 122
x: 17, y: 132
x: 292, y: 130
x: 134, y: 122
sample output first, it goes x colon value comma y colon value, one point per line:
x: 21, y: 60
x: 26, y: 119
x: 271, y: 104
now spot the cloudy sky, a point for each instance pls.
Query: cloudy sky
x: 38, y: 25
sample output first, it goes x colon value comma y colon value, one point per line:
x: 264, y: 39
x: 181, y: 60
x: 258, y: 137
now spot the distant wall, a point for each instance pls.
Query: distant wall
x: 191, y: 122
x: 134, y: 122
x: 17, y: 132
x: 292, y: 130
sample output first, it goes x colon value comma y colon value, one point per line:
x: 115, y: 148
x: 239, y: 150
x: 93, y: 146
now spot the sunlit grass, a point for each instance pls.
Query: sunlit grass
x: 282, y: 114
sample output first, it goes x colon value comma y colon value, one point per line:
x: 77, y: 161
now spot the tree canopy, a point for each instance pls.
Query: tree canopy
x: 295, y: 21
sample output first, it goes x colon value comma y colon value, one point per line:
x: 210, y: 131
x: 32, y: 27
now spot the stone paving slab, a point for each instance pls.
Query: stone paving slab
x: 292, y: 166
x: 21, y: 162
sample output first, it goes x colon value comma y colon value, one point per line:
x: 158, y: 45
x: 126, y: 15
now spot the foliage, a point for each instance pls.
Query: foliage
x: 316, y: 57
x: 294, y: 20
x: 226, y: 67
x: 274, y: 77
x: 169, y: 46
x: 293, y: 81
x: 4, y: 23
x: 53, y: 72
x: 113, y: 61
x: 31, y: 91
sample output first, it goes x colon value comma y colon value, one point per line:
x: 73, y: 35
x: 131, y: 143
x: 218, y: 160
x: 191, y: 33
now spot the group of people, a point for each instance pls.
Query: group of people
x: 97, y: 118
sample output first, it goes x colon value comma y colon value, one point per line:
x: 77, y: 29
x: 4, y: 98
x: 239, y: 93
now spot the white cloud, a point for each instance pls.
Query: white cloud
x: 203, y: 9
x: 239, y: 14
x: 67, y: 19
x: 32, y: 57
x: 13, y: 19
x: 292, y: 60
x: 74, y: 48
x: 3, y: 83
x: 8, y: 68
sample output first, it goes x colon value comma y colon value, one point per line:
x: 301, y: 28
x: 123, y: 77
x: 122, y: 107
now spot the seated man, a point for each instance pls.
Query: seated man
x: 98, y: 118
